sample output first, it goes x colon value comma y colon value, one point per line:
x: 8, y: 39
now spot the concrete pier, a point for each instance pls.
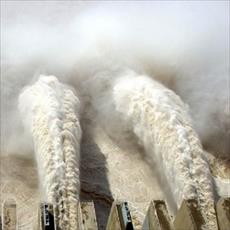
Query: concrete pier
x: 158, y: 217
x: 9, y: 221
x: 223, y: 213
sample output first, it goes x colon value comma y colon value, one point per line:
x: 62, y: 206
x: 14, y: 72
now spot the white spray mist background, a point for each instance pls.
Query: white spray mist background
x: 182, y: 44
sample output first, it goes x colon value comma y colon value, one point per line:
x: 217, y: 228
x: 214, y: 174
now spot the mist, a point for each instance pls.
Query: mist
x: 184, y: 45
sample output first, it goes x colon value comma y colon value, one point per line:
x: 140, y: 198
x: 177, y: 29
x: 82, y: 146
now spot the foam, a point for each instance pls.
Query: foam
x: 160, y: 121
x: 50, y: 111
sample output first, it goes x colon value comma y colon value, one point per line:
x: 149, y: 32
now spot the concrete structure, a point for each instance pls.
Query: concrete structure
x: 9, y: 215
x: 223, y: 213
x: 188, y: 217
x: 158, y: 216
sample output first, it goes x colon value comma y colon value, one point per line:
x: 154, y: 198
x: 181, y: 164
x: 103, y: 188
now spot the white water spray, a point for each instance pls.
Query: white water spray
x: 50, y: 110
x: 183, y: 44
x: 161, y: 122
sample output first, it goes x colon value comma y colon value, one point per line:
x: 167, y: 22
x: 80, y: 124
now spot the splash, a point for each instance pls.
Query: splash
x: 160, y: 121
x: 50, y: 111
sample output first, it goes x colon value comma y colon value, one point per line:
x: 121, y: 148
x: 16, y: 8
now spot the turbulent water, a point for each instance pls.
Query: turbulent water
x: 157, y: 117
x: 183, y: 45
x: 50, y: 111
x: 160, y: 120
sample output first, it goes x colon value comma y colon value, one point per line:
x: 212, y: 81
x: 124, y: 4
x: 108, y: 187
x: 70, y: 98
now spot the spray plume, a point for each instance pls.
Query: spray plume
x: 50, y: 111
x: 160, y: 121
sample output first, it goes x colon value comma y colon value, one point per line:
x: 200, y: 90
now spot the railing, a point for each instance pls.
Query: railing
x: 188, y: 216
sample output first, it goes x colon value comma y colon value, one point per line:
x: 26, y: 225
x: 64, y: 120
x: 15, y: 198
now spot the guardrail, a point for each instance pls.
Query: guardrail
x: 188, y: 216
